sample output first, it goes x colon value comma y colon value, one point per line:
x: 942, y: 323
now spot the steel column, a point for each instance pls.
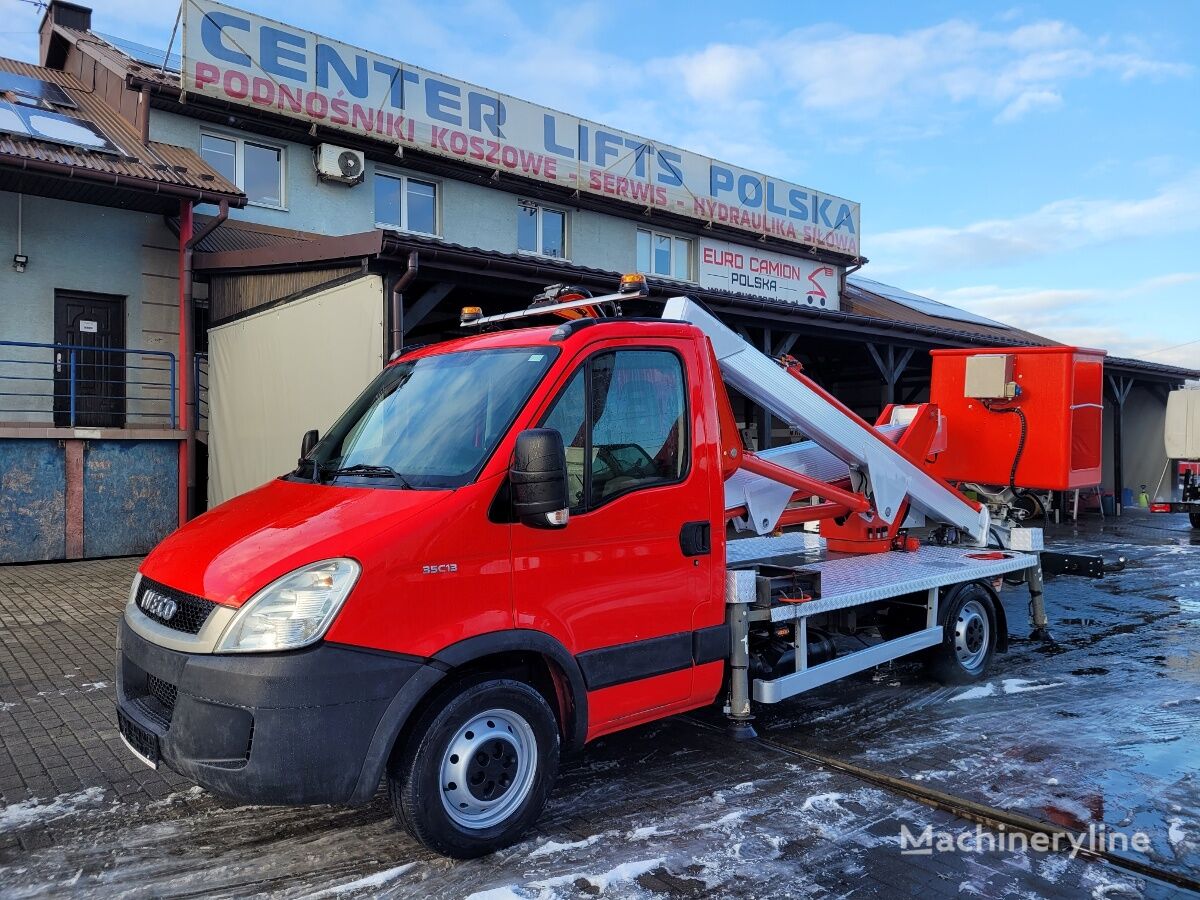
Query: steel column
x: 1121, y: 386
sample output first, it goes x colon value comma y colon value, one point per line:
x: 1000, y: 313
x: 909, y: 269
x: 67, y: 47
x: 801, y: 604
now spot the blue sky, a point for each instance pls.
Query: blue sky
x: 1039, y: 164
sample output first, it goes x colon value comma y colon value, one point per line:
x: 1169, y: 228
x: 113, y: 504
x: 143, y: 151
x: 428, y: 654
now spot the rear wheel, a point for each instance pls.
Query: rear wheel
x: 477, y: 769
x: 969, y: 635
x: 1195, y: 519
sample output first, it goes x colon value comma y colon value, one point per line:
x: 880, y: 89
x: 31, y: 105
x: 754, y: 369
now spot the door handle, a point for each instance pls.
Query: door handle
x: 695, y: 539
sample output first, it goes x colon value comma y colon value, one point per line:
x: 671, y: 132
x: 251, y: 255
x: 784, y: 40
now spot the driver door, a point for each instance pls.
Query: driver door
x: 615, y: 584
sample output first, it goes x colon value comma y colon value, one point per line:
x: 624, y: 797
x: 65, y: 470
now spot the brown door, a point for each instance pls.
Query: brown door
x: 89, y: 375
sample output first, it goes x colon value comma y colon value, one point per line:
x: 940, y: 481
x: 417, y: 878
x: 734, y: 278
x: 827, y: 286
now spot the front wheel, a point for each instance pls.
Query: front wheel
x: 477, y: 768
x: 1195, y: 519
x: 969, y: 635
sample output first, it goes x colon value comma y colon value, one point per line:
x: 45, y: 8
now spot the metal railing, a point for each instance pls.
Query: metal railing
x: 200, y: 391
x: 72, y: 385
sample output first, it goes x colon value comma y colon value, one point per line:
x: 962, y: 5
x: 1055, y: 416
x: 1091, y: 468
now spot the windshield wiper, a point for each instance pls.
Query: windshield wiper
x: 366, y: 470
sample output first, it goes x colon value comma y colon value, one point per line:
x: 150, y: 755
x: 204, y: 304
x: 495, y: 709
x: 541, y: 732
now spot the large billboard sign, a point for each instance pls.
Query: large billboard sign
x: 248, y: 60
x: 774, y: 276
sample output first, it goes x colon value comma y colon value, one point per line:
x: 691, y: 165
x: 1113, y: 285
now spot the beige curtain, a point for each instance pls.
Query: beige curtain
x: 275, y: 374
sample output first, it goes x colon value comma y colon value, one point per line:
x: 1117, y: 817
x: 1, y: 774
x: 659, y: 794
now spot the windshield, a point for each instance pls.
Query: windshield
x: 433, y: 421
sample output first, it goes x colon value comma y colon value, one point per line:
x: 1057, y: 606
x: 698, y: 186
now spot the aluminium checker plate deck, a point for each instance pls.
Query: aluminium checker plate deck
x: 854, y: 580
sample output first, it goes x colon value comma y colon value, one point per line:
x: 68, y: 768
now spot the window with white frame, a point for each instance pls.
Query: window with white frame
x: 406, y: 204
x: 256, y: 168
x: 541, y: 229
x: 664, y: 254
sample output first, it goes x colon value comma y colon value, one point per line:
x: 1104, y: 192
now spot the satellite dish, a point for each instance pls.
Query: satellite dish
x: 349, y: 164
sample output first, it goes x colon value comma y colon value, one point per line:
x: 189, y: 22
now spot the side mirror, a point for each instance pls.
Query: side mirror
x: 308, y: 442
x: 538, y: 477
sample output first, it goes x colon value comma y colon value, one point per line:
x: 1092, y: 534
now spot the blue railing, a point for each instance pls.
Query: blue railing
x: 72, y: 385
x: 200, y: 391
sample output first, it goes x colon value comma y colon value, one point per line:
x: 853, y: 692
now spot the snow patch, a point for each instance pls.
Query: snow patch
x: 1027, y: 685
x: 1177, y: 836
x: 727, y: 819
x: 551, y: 847
x: 370, y: 881
x: 499, y: 893
x: 618, y: 875
x: 35, y: 812
x: 975, y: 693
x: 1052, y: 867
x: 1007, y: 686
x: 648, y: 831
x: 824, y: 803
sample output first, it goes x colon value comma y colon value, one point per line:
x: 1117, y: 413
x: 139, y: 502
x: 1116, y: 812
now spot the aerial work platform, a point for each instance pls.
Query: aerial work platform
x: 890, y: 476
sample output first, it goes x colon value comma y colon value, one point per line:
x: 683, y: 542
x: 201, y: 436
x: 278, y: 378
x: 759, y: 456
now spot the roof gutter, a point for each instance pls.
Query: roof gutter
x: 396, y: 341
x: 126, y: 182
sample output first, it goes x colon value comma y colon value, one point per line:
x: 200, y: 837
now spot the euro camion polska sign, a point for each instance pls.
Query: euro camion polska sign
x: 246, y: 59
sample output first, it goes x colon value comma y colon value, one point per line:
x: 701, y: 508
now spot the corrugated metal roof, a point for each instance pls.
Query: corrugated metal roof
x: 237, y: 234
x: 860, y: 300
x: 154, y: 164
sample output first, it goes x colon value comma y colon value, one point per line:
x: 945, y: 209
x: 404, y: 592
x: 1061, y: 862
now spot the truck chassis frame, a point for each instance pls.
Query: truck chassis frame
x: 846, y: 582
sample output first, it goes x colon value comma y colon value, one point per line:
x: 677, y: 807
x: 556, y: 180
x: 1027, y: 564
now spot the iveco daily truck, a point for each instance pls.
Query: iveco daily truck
x: 518, y: 541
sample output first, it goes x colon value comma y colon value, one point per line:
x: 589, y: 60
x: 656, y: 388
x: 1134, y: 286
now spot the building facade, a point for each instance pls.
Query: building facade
x: 345, y: 205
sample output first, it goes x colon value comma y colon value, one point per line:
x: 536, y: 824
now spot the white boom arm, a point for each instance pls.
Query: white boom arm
x: 890, y: 476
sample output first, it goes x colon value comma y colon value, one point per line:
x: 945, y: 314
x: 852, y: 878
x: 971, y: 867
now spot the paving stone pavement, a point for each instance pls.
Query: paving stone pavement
x: 57, y: 725
x: 669, y: 809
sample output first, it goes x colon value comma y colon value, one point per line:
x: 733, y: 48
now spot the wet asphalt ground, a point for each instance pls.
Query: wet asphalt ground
x: 1101, y: 728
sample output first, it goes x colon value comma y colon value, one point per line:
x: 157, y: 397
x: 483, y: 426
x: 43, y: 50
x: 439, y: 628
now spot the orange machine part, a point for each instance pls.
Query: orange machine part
x: 1062, y: 396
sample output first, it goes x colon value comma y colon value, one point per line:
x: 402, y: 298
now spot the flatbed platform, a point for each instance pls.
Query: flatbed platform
x: 854, y: 580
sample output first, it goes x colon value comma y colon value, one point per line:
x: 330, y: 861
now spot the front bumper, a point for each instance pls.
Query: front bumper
x: 307, y: 726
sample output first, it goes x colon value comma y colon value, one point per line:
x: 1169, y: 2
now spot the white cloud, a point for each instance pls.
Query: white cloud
x: 1083, y: 316
x: 1055, y: 227
x: 864, y: 75
x: 1029, y: 101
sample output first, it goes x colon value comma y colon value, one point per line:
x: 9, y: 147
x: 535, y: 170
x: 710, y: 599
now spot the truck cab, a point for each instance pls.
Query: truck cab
x: 509, y: 544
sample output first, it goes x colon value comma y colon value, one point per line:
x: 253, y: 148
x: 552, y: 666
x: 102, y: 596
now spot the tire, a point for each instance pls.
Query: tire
x: 477, y: 768
x: 969, y: 635
x: 1194, y: 518
x: 1031, y: 505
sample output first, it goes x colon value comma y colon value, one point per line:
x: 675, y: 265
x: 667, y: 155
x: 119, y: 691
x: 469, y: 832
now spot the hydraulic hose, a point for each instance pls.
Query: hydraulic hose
x: 1020, y: 413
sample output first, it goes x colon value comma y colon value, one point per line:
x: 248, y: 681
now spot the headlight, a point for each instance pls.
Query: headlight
x: 293, y: 611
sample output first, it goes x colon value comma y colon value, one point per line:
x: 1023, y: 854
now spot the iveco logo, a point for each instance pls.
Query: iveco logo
x: 155, y: 604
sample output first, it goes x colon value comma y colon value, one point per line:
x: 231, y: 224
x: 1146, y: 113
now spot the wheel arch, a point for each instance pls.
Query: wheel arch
x: 497, y: 651
x: 525, y: 646
x: 1000, y: 618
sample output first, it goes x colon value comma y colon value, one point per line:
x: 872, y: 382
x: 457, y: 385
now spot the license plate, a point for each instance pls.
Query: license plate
x: 142, y: 742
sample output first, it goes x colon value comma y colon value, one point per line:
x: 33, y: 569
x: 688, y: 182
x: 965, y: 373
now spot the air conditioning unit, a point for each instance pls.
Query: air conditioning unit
x: 339, y: 164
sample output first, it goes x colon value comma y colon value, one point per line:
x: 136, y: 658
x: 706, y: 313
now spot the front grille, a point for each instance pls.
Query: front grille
x: 140, y: 739
x: 161, y: 691
x: 155, y: 698
x: 190, y: 614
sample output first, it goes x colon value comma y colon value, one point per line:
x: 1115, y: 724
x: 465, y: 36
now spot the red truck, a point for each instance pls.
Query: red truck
x: 518, y: 541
